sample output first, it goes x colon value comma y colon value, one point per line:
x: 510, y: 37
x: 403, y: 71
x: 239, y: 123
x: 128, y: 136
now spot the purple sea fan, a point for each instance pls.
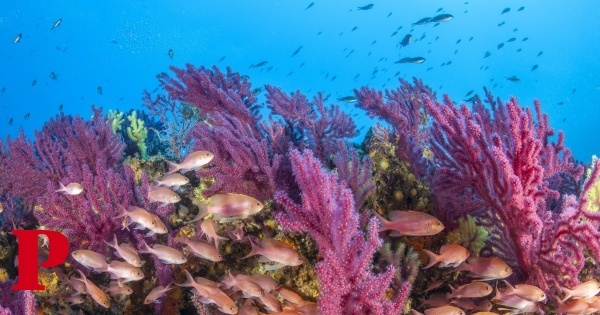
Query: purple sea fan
x: 16, y: 302
x: 498, y: 166
x: 404, y: 110
x: 327, y: 213
x: 63, y: 145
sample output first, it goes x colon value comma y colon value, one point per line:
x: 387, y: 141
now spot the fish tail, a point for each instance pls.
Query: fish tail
x: 114, y: 242
x: 145, y: 248
x: 568, y: 294
x: 510, y: 290
x: 122, y: 210
x: 189, y: 280
x: 62, y: 187
x: 202, y: 210
x: 384, y: 222
x: 173, y: 167
x: 433, y: 259
x: 180, y: 239
x: 255, y: 250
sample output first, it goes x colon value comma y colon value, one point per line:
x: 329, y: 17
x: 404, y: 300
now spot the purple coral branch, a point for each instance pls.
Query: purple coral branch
x: 327, y: 213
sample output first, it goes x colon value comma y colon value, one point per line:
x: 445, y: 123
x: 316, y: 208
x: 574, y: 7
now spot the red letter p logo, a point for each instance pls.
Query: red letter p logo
x: 58, y: 249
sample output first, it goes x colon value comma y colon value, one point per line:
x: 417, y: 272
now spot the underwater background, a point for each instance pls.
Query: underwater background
x: 318, y: 157
x: 121, y: 46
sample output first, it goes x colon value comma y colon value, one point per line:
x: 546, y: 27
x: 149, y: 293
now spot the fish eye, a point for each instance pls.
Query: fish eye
x: 507, y: 269
x: 231, y: 308
x: 543, y: 295
x: 438, y: 223
x: 219, y: 256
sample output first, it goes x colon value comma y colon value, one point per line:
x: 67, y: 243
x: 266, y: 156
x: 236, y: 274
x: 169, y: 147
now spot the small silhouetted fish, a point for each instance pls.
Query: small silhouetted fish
x: 458, y: 41
x: 519, y: 50
x: 512, y: 39
x: 222, y: 58
x: 389, y: 14
x: 540, y: 53
x: 406, y: 40
x: 60, y: 107
x: 394, y: 34
x: 310, y: 6
x: 10, y: 121
x: 521, y: 9
x: 525, y: 39
x: 469, y: 93
x: 297, y: 50
x: 354, y: 29
x: 438, y: 10
x: 327, y: 97
x: 564, y: 119
x: 422, y: 21
x: 171, y: 53
x: 470, y: 99
x: 341, y: 33
x: 99, y: 89
x: 574, y: 90
x: 500, y: 45
x: 33, y: 82
x: 356, y: 76
x: 3, y: 89
x: 514, y: 79
x: 257, y: 91
x: 442, y: 18
x: 534, y: 67
x: 53, y: 75
x: 269, y: 68
x: 560, y: 103
x: 319, y: 33
x: 516, y: 29
x: 501, y: 23
x: 27, y: 116
x: 505, y: 10
x: 366, y: 7
x: 422, y: 36
x: 56, y: 24
x: 373, y: 43
x: 347, y: 99
x: 260, y: 64
x: 411, y: 60
x: 17, y: 38
x: 334, y: 77
x: 471, y: 38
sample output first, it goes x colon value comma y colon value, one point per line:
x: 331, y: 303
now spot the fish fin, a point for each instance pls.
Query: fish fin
x: 122, y: 210
x: 383, y: 221
x: 433, y: 259
x: 202, y: 210
x: 62, y: 187
x: 189, y: 280
x: 509, y: 288
x: 145, y: 248
x: 151, y: 233
x: 113, y: 243
x: 396, y: 234
x: 568, y: 294
x: 173, y: 167
x: 255, y: 250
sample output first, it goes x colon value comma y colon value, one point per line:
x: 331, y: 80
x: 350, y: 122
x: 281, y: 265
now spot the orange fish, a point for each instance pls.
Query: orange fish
x: 451, y: 255
x: 584, y: 290
x: 410, y: 223
x: 525, y: 291
x: 486, y: 268
x: 474, y: 289
x: 444, y: 310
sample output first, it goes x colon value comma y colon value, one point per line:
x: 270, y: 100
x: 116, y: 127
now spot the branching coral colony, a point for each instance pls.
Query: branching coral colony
x: 285, y: 215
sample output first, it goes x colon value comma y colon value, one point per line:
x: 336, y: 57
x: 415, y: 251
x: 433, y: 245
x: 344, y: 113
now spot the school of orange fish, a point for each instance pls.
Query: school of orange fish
x: 263, y: 290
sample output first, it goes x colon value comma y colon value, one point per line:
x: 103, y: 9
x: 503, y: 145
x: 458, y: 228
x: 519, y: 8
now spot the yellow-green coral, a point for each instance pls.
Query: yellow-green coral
x: 469, y: 235
x: 593, y: 195
x: 137, y: 132
x: 116, y: 120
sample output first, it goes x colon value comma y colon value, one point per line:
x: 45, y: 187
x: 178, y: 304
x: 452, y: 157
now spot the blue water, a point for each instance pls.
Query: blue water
x: 121, y: 46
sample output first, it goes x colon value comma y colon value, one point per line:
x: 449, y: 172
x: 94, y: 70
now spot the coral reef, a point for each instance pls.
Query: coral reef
x: 294, y: 184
